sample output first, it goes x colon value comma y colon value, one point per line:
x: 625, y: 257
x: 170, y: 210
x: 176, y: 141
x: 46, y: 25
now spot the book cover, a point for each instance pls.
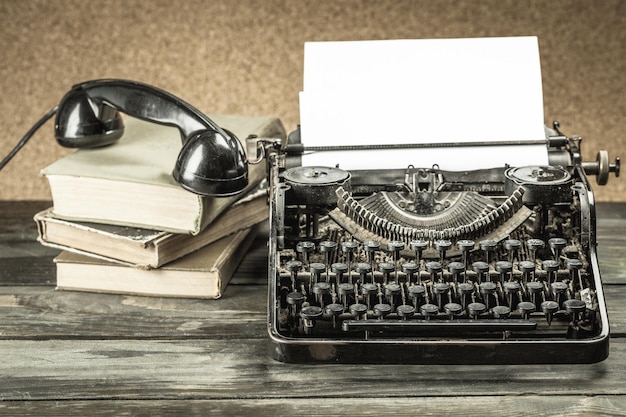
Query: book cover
x: 146, y: 248
x: 130, y: 183
x: 204, y: 273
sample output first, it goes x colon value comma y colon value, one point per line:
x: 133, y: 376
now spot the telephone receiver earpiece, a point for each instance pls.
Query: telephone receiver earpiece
x: 212, y: 160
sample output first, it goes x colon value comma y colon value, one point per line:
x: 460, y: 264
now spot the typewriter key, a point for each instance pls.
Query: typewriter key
x: 416, y: 292
x: 339, y: 268
x: 456, y: 268
x: 533, y: 246
x: 574, y: 266
x: 442, y: 246
x: 465, y: 246
x: 418, y: 247
x: 486, y: 290
x: 559, y: 288
x: 368, y: 290
x: 512, y: 246
x: 476, y: 309
x: 363, y: 268
x: 504, y: 268
x: 392, y: 291
x: 387, y: 269
x: 487, y: 246
x: 428, y: 311
x: 501, y: 312
x: 481, y: 269
x: 526, y: 308
x: 358, y: 311
x: 453, y: 309
x: 549, y: 308
x: 526, y: 268
x: 557, y: 244
x: 551, y: 267
x: 345, y: 290
x: 434, y: 269
x: 305, y: 247
x: 511, y: 288
x: 464, y: 289
x: 381, y: 310
x: 327, y: 247
x: 334, y: 310
x: 294, y: 267
x: 316, y: 269
x: 320, y: 289
x: 309, y: 314
x: 349, y: 248
x: 410, y: 268
x: 534, y: 288
x: 405, y: 311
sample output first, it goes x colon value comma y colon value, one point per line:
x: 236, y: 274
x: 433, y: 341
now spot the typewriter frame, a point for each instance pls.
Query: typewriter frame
x: 314, y: 349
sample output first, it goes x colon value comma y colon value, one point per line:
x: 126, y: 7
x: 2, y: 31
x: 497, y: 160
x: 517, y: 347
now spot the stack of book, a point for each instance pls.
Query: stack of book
x: 125, y: 226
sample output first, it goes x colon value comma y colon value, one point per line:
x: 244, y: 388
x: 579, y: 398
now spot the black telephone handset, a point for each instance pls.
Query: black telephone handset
x: 211, y: 162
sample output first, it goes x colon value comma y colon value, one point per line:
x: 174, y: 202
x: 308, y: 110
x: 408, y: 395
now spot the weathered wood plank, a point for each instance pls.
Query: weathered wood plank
x: 525, y: 405
x: 221, y: 369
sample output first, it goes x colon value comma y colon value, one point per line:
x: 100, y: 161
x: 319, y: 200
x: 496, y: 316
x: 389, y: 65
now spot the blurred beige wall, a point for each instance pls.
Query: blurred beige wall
x: 245, y: 57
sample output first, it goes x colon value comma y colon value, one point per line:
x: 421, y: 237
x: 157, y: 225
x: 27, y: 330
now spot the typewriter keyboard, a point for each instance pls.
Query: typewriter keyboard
x: 518, y: 288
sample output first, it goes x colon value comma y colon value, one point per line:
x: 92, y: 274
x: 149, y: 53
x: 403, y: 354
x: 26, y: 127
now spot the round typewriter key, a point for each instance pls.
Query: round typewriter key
x: 464, y: 289
x: 511, y: 288
x: 465, y: 245
x: 316, y: 269
x: 534, y: 288
x: 525, y: 308
x: 294, y: 267
x: 512, y: 246
x: 368, y: 291
x: 557, y: 244
x: 327, y: 247
x: 339, y: 268
x: 345, y: 290
x: 428, y: 311
x: 549, y: 308
x: 320, y: 289
x: 441, y: 287
x: 387, y: 269
x: 405, y: 311
x: 574, y: 306
x: 453, y: 309
x: 574, y: 266
x: 363, y: 269
x: 526, y: 268
x: 395, y: 246
x: 501, y: 312
x: 481, y: 269
x: 309, y: 314
x: 487, y: 246
x: 295, y: 298
x: 504, y: 268
x: 456, y: 269
x: 533, y: 246
x: 418, y: 247
x: 434, y: 268
x: 442, y: 246
x: 392, y: 289
x: 334, y: 309
x: 416, y: 292
x: 410, y: 269
x: 305, y: 247
x: 551, y: 267
x: 486, y: 290
x: 476, y: 309
x: 382, y: 310
x: 358, y: 311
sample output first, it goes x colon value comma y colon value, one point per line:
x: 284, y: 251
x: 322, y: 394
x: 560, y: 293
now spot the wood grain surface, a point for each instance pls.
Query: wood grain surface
x: 70, y: 353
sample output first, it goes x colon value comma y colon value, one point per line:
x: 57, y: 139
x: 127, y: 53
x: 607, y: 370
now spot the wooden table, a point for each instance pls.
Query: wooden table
x: 78, y: 353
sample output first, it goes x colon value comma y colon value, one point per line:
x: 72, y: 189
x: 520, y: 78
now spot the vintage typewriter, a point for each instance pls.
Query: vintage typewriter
x: 424, y: 266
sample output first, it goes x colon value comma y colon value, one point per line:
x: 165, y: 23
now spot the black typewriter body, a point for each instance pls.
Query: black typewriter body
x: 423, y: 266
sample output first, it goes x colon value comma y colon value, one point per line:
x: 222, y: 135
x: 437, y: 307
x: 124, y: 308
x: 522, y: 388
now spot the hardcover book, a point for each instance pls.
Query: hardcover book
x: 130, y: 182
x: 201, y: 274
x: 146, y: 248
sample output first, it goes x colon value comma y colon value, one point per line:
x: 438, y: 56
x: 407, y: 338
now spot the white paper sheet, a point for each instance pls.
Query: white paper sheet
x: 423, y: 91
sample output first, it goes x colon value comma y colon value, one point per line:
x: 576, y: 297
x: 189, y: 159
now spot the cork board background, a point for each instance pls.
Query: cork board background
x: 246, y: 56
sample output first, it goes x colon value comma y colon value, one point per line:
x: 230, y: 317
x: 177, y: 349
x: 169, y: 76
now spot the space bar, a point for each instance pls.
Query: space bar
x: 491, y: 325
